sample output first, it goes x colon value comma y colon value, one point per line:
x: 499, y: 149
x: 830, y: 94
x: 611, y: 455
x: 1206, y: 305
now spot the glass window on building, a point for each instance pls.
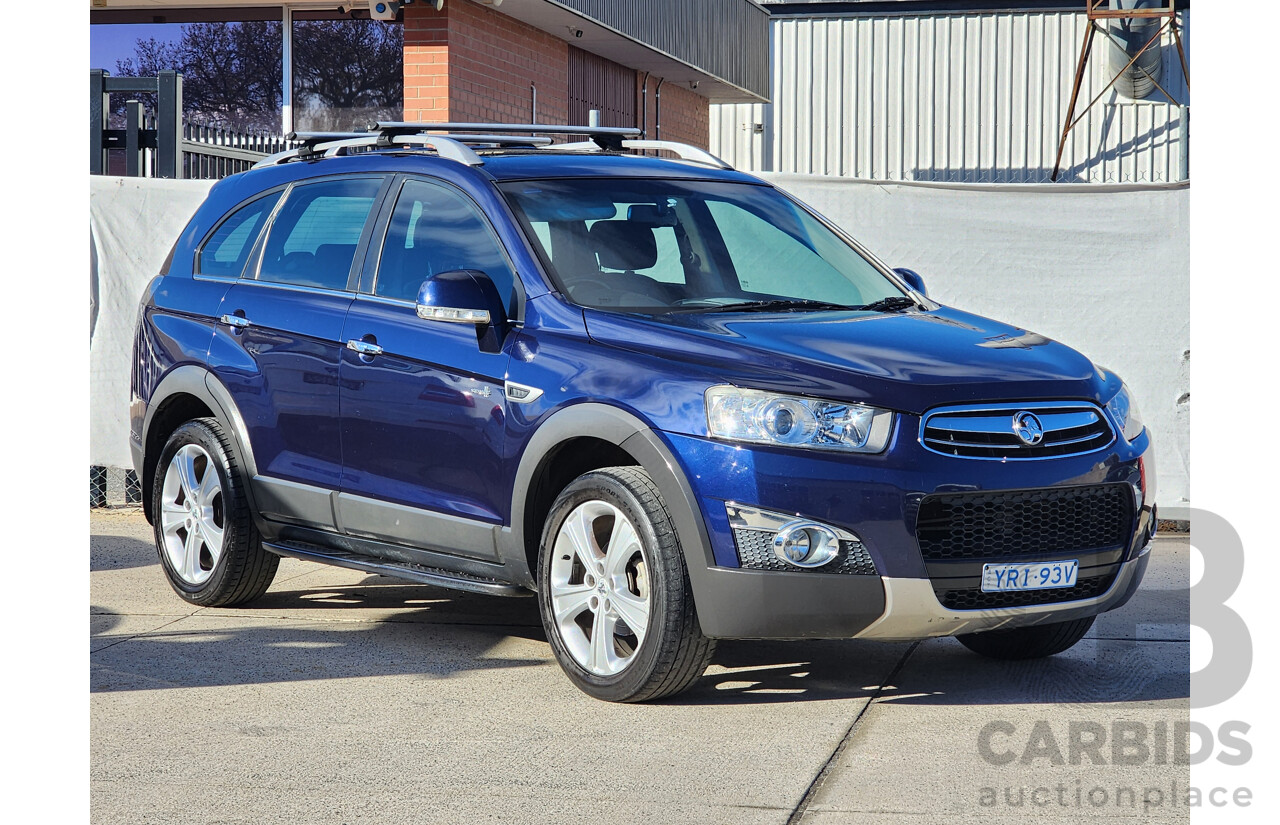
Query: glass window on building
x: 346, y: 73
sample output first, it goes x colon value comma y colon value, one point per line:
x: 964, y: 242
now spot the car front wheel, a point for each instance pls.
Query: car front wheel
x: 614, y: 591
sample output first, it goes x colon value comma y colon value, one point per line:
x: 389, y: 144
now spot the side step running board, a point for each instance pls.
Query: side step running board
x: 400, y: 570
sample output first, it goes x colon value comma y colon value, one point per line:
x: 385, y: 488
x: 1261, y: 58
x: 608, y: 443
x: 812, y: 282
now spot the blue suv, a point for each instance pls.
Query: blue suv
x: 663, y: 395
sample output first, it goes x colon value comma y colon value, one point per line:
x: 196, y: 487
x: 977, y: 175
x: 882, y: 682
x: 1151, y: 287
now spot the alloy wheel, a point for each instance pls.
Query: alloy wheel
x: 192, y: 516
x: 600, y: 594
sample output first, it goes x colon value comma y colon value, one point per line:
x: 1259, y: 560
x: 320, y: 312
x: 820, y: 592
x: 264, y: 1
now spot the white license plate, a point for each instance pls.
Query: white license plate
x: 1001, y: 578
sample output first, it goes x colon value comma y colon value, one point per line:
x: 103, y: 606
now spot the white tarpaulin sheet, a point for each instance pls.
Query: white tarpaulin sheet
x: 1104, y: 270
x: 133, y: 222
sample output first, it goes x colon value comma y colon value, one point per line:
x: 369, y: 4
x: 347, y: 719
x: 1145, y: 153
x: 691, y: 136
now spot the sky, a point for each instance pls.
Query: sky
x: 111, y: 42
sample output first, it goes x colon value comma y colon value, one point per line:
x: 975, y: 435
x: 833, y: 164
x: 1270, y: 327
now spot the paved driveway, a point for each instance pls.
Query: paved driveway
x: 346, y: 698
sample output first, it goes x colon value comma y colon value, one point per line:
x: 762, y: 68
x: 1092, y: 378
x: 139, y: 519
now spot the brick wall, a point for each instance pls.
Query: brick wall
x: 468, y: 62
x: 685, y: 113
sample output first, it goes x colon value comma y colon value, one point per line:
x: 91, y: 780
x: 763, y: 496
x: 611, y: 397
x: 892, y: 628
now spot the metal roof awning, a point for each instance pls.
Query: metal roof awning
x: 717, y: 48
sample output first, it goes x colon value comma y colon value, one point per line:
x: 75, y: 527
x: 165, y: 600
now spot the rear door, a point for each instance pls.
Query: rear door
x: 278, y: 344
x: 423, y: 419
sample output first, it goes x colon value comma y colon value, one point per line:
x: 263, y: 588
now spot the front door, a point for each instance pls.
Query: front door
x: 423, y: 412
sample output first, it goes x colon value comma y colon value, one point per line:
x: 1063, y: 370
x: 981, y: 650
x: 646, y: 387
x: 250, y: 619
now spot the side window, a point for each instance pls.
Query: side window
x: 313, y: 239
x: 434, y: 230
x: 225, y: 251
x: 792, y: 269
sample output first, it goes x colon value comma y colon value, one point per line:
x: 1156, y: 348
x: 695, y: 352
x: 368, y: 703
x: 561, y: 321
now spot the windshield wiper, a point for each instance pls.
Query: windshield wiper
x: 890, y: 304
x: 775, y: 305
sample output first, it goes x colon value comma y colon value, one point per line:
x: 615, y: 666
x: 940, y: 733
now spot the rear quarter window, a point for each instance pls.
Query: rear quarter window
x: 225, y: 251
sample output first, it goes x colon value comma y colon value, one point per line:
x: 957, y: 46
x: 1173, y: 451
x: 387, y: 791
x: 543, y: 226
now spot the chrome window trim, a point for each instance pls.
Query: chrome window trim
x: 1012, y: 408
x: 312, y: 290
x: 378, y: 299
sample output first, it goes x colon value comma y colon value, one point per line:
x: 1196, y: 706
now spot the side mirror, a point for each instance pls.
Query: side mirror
x: 913, y: 280
x: 465, y: 296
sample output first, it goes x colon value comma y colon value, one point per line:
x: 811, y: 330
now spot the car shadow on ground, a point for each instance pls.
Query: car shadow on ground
x: 109, y: 552
x: 381, y: 626
x: 384, y: 626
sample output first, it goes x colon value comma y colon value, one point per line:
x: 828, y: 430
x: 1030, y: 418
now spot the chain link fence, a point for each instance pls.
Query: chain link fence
x: 113, y: 487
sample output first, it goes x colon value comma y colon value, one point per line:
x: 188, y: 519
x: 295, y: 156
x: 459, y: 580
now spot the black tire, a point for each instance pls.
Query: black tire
x: 1033, y: 642
x: 244, y: 570
x: 673, y: 653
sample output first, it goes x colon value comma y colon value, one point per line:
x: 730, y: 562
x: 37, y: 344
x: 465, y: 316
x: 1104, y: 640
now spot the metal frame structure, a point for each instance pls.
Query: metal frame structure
x: 160, y: 143
x: 165, y: 138
x: 1094, y: 12
x: 458, y: 141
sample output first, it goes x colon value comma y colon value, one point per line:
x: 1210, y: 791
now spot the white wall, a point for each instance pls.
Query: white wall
x: 133, y: 223
x: 977, y: 98
x: 1104, y: 270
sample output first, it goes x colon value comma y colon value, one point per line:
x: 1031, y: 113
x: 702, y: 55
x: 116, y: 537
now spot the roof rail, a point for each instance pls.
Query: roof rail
x: 462, y: 138
x: 331, y: 144
x: 606, y: 137
x: 683, y: 150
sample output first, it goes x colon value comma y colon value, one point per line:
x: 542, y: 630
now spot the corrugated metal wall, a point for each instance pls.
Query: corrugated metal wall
x: 735, y: 54
x: 596, y: 83
x: 964, y: 97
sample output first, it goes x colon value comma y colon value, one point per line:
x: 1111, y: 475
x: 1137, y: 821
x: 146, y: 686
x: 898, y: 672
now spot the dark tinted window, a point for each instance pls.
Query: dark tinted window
x: 434, y: 230
x: 314, y: 238
x: 226, y: 250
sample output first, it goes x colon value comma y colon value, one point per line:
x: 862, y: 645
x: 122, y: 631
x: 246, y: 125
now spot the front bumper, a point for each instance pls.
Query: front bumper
x: 749, y: 604
x: 912, y: 611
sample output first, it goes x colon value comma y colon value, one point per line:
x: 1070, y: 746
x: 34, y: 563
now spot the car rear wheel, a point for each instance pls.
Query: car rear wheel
x: 1033, y: 642
x: 209, y: 547
x: 614, y: 591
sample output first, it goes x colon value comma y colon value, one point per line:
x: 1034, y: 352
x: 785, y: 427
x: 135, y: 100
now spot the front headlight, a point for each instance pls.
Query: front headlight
x: 791, y: 421
x: 1125, y: 412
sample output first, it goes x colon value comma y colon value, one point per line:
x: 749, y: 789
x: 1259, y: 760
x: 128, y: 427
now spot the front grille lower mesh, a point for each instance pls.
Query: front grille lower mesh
x: 1007, y: 525
x: 974, y: 599
x: 755, y: 551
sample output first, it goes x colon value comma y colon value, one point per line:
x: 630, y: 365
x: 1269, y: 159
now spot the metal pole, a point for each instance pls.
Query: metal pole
x: 657, y: 110
x: 644, y: 106
x: 1182, y: 54
x: 286, y: 72
x: 133, y: 139
x: 1075, y: 96
x: 533, y: 102
x: 593, y: 118
x: 99, y: 105
x: 169, y: 125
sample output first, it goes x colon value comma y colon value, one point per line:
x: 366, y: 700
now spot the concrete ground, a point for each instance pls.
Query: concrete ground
x: 346, y: 698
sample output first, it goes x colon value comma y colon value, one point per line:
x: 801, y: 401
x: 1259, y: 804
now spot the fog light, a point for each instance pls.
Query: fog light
x: 806, y: 544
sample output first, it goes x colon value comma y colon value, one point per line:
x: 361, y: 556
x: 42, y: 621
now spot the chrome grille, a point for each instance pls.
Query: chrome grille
x: 992, y: 431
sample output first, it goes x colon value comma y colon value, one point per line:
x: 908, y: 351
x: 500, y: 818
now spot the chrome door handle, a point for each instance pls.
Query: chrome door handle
x: 364, y: 347
x: 236, y: 321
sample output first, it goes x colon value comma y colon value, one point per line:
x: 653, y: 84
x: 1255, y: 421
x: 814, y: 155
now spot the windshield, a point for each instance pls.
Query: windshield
x: 660, y: 246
